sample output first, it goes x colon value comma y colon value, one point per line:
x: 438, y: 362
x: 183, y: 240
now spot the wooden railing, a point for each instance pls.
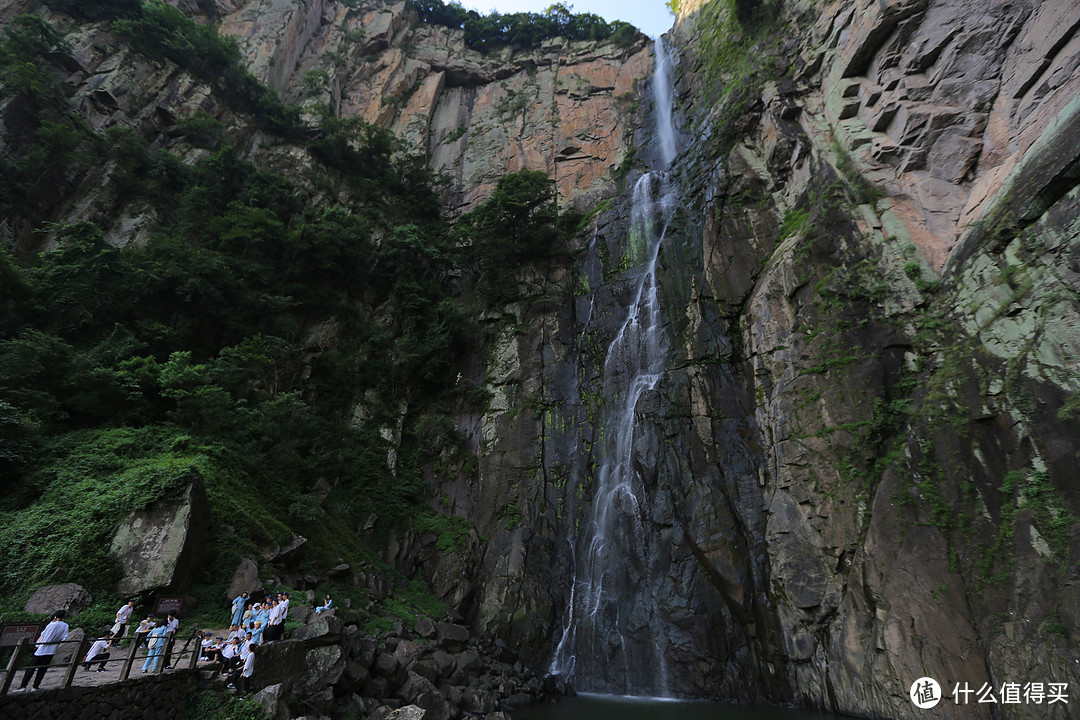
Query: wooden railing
x: 83, y: 647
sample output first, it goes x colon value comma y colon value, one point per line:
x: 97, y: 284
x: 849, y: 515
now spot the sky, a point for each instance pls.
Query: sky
x: 650, y: 16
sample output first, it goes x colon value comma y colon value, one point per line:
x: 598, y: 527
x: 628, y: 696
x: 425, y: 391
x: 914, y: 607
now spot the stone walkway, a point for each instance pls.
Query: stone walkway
x: 54, y: 677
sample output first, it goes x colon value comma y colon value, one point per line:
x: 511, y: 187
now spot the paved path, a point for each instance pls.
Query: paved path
x: 54, y: 677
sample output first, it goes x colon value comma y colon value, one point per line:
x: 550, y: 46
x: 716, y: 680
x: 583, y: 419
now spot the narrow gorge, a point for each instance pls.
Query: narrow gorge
x: 737, y: 365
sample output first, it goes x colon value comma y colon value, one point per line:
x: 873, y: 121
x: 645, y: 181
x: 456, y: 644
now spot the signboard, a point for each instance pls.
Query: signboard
x: 166, y: 605
x: 11, y: 633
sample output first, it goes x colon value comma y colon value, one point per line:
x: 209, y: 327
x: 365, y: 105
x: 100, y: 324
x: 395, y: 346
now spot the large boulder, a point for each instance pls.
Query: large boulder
x: 70, y: 647
x: 322, y: 626
x: 68, y: 597
x: 324, y: 668
x: 244, y: 579
x: 419, y: 691
x: 452, y: 637
x: 409, y: 712
x: 271, y: 701
x: 158, y: 546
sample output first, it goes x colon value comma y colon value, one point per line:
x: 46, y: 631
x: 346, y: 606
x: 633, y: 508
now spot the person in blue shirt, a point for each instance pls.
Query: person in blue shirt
x: 257, y: 633
x: 157, y: 641
x: 325, y: 606
x: 238, y: 608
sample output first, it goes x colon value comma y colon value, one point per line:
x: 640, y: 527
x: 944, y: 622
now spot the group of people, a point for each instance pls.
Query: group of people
x: 253, y: 623
x: 265, y: 620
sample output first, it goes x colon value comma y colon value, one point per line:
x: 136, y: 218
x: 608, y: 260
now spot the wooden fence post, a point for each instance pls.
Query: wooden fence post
x: 197, y: 650
x: 13, y: 663
x: 80, y: 652
x: 126, y: 670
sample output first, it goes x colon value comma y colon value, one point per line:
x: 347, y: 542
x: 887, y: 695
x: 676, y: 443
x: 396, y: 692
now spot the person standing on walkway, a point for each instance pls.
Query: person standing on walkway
x: 144, y: 629
x: 156, y: 642
x: 98, y: 652
x: 172, y: 624
x: 53, y: 634
x: 122, y: 616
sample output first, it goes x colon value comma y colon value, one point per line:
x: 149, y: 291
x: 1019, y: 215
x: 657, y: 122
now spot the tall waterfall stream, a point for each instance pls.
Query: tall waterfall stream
x: 613, y: 639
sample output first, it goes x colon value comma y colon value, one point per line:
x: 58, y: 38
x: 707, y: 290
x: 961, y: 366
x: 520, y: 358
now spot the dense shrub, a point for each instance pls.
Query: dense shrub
x: 523, y: 30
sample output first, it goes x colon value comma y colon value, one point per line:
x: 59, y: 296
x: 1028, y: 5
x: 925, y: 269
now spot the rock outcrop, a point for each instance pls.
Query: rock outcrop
x: 69, y: 597
x: 331, y: 666
x: 561, y: 109
x: 158, y: 547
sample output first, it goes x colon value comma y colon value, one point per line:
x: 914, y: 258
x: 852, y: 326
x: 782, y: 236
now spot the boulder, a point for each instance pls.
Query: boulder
x: 477, y: 701
x: 69, y: 648
x: 279, y: 662
x: 291, y: 554
x: 425, y: 628
x: 270, y: 700
x: 244, y: 579
x: 301, y: 613
x: 158, y: 547
x: 452, y: 637
x: 324, y: 667
x: 444, y: 663
x: 355, y: 676
x: 407, y: 653
x: 419, y: 691
x: 69, y: 597
x: 409, y: 712
x: 322, y: 626
x: 425, y: 668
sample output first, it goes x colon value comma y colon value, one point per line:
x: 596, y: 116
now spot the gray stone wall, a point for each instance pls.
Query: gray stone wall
x: 152, y: 697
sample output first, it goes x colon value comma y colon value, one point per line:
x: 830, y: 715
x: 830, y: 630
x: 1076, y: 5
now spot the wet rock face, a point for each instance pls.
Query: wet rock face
x: 842, y: 453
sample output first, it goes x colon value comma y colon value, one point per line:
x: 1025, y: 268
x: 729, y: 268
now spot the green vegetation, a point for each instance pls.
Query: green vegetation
x: 252, y: 338
x: 525, y: 29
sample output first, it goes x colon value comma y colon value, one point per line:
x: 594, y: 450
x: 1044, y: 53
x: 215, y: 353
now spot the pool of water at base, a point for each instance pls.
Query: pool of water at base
x: 612, y: 707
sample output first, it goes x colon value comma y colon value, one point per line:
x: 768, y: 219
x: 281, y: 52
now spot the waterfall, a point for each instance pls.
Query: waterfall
x: 663, y: 103
x: 614, y: 640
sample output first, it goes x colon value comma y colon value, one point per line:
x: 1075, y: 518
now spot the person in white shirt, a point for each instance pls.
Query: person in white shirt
x: 53, y: 634
x: 122, y: 616
x: 229, y: 655
x: 98, y: 652
x: 144, y: 629
x: 244, y: 674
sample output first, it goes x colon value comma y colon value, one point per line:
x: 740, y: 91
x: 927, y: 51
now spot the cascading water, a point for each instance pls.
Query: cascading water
x: 614, y: 639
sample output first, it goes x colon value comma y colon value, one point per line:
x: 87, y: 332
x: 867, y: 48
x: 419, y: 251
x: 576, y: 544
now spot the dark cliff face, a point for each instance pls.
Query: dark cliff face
x: 860, y: 461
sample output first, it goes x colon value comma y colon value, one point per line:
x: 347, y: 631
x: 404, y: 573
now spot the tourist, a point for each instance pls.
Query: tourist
x: 206, y: 646
x: 238, y: 608
x: 155, y: 642
x: 172, y: 624
x: 257, y: 633
x: 229, y: 655
x: 243, y: 673
x: 143, y: 630
x: 98, y: 652
x: 53, y: 634
x: 325, y: 606
x: 122, y: 616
